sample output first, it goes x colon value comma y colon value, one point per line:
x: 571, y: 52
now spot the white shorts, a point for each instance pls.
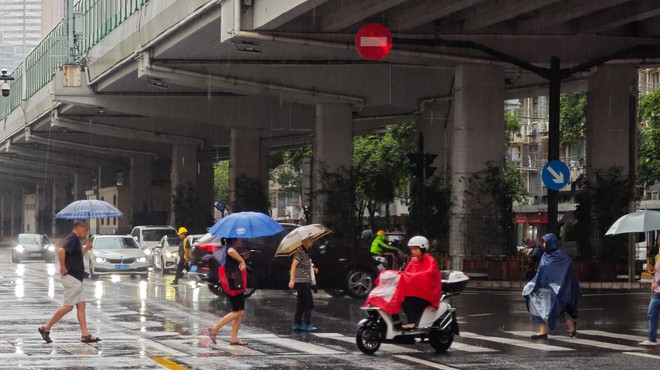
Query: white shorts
x: 73, y: 289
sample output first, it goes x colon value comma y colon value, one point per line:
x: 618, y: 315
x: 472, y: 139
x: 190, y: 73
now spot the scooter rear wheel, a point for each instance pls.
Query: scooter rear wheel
x: 441, y: 340
x: 367, y: 341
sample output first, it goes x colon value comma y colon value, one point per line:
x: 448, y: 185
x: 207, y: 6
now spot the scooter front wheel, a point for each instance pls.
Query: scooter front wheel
x: 367, y: 340
x: 441, y: 340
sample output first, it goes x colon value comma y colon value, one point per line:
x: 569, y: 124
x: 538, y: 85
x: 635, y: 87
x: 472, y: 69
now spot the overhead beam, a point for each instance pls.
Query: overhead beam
x: 343, y: 14
x: 564, y: 12
x: 122, y: 132
x: 38, y: 165
x: 619, y: 16
x: 427, y: 11
x: 268, y: 15
x: 11, y: 170
x: 50, y: 156
x: 90, y: 148
x: 500, y: 11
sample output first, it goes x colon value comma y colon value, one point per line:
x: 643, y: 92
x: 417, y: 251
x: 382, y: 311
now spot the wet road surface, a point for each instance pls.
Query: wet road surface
x: 149, y: 324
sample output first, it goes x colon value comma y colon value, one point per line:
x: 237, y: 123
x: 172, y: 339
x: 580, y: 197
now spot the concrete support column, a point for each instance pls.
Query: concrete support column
x: 437, y: 135
x: 205, y: 188
x: 478, y: 137
x: 140, y: 189
x: 245, y: 160
x: 184, y: 171
x: 608, y: 117
x: 333, y: 147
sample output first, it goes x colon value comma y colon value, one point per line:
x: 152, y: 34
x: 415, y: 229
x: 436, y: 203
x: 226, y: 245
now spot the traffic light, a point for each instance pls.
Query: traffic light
x: 428, y: 161
x: 416, y: 165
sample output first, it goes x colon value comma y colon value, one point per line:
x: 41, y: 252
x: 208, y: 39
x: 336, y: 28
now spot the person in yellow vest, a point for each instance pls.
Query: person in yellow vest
x: 380, y: 248
x: 184, y: 251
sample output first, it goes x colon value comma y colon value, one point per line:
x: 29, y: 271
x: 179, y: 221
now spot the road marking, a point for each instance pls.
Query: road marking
x: 470, y: 348
x: 167, y: 363
x: 480, y: 314
x: 586, y: 342
x: 385, y: 347
x: 517, y: 343
x: 424, y: 362
x: 295, y: 344
x: 642, y: 355
x: 601, y: 333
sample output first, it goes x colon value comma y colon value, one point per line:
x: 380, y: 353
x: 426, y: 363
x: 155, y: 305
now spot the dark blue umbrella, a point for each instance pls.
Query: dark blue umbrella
x: 245, y: 225
x: 88, y: 208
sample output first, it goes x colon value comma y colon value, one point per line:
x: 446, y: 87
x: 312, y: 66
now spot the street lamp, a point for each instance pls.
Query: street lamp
x: 4, y: 86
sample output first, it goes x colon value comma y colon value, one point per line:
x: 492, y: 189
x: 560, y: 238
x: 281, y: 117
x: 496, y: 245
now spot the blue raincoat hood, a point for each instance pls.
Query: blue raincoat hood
x: 556, y: 272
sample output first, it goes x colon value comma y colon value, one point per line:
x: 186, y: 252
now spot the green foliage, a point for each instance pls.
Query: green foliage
x: 492, y: 192
x: 601, y: 202
x: 649, y: 150
x: 511, y: 127
x: 572, y: 118
x: 286, y: 167
x: 221, y: 182
x: 430, y: 209
x: 250, y: 196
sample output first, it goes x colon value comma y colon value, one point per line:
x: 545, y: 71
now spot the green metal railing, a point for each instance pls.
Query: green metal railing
x: 100, y: 17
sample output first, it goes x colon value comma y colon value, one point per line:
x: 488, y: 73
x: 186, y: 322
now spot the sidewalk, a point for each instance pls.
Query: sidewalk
x: 596, y: 285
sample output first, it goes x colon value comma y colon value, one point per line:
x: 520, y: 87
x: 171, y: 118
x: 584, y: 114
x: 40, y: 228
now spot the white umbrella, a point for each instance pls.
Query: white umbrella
x: 636, y: 222
x: 294, y: 239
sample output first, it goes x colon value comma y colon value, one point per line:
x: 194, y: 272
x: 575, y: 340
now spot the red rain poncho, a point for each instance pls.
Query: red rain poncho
x: 421, y: 278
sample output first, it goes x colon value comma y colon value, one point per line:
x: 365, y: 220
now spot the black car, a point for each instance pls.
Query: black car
x: 32, y: 246
x: 343, y: 268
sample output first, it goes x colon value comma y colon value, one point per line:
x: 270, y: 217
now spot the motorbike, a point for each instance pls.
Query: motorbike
x: 398, y: 260
x: 439, y: 325
x: 205, y: 272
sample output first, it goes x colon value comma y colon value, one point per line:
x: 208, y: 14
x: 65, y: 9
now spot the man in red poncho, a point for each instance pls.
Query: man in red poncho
x: 413, y: 289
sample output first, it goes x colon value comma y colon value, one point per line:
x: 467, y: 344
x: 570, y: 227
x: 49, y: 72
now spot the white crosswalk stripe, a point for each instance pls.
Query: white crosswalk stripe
x: 517, y: 343
x: 296, y: 345
x: 601, y: 333
x: 385, y: 347
x: 582, y: 341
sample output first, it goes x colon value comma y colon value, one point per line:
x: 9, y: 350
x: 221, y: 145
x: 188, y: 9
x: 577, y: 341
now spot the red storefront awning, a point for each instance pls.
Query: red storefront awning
x: 531, y: 218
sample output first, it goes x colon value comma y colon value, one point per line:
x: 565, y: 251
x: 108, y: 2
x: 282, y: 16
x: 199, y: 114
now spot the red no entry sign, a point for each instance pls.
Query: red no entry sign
x: 373, y: 41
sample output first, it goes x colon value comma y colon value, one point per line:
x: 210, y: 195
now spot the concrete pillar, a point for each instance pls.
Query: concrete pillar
x: 478, y: 137
x: 184, y: 171
x: 437, y: 135
x: 247, y: 158
x: 333, y: 148
x: 608, y: 123
x: 205, y: 192
x: 141, y: 192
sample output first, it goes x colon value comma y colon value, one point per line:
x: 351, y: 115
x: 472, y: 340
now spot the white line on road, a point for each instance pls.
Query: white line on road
x: 424, y: 362
x: 515, y: 342
x: 480, y: 314
x: 295, y: 344
x: 612, y: 335
x: 585, y: 342
x: 385, y: 347
x: 642, y: 355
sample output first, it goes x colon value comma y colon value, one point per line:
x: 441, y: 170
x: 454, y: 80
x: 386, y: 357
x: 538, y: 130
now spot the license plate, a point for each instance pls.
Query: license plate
x: 193, y: 268
x: 35, y: 254
x: 121, y: 267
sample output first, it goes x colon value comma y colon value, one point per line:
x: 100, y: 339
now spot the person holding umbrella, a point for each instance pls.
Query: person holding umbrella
x: 301, y: 279
x: 72, y: 271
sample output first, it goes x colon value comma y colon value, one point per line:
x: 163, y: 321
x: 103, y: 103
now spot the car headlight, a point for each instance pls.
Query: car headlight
x: 147, y: 251
x: 100, y: 260
x: 168, y: 254
x: 142, y: 259
x: 20, y: 248
x: 51, y: 248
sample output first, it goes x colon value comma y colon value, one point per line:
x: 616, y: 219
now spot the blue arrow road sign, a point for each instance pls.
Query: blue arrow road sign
x: 555, y: 175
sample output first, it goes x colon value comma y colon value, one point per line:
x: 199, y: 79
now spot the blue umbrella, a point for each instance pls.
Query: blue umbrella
x: 88, y: 208
x: 245, y: 225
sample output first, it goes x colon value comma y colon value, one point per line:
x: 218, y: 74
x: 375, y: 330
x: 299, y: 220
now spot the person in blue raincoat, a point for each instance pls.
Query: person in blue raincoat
x: 554, y: 291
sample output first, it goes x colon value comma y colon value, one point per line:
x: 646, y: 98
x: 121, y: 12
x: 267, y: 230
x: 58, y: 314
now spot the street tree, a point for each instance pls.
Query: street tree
x: 649, y: 149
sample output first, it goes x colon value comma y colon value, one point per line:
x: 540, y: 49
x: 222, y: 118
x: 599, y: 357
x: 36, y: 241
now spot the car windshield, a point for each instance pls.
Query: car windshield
x: 173, y: 241
x: 28, y: 239
x: 125, y: 242
x: 155, y: 235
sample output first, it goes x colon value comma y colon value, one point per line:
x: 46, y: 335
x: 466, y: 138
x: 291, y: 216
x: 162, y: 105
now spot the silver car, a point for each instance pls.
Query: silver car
x: 115, y: 254
x: 166, y: 253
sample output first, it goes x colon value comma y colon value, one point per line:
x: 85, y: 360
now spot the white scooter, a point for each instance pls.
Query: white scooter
x: 438, y: 325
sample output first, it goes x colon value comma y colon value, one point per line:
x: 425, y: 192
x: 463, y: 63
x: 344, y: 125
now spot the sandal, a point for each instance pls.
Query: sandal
x: 209, y: 332
x: 89, y: 339
x: 238, y: 343
x: 45, y: 334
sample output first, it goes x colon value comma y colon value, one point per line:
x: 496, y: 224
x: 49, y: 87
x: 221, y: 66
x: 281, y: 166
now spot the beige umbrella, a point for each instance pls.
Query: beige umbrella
x: 294, y: 239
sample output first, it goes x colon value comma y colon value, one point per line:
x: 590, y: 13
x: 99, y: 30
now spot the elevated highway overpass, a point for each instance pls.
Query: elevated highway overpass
x: 153, y: 91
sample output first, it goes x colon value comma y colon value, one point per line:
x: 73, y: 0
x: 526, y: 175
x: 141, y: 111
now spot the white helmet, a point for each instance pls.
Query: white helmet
x: 419, y: 241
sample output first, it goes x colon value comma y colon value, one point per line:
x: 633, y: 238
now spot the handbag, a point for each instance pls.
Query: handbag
x: 232, y: 280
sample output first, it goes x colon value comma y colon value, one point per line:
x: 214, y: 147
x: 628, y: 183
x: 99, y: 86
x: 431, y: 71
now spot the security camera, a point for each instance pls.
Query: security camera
x: 4, y: 87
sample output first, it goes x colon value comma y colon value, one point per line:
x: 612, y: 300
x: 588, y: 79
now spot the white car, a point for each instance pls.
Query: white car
x: 149, y: 236
x: 115, y: 254
x: 166, y: 254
